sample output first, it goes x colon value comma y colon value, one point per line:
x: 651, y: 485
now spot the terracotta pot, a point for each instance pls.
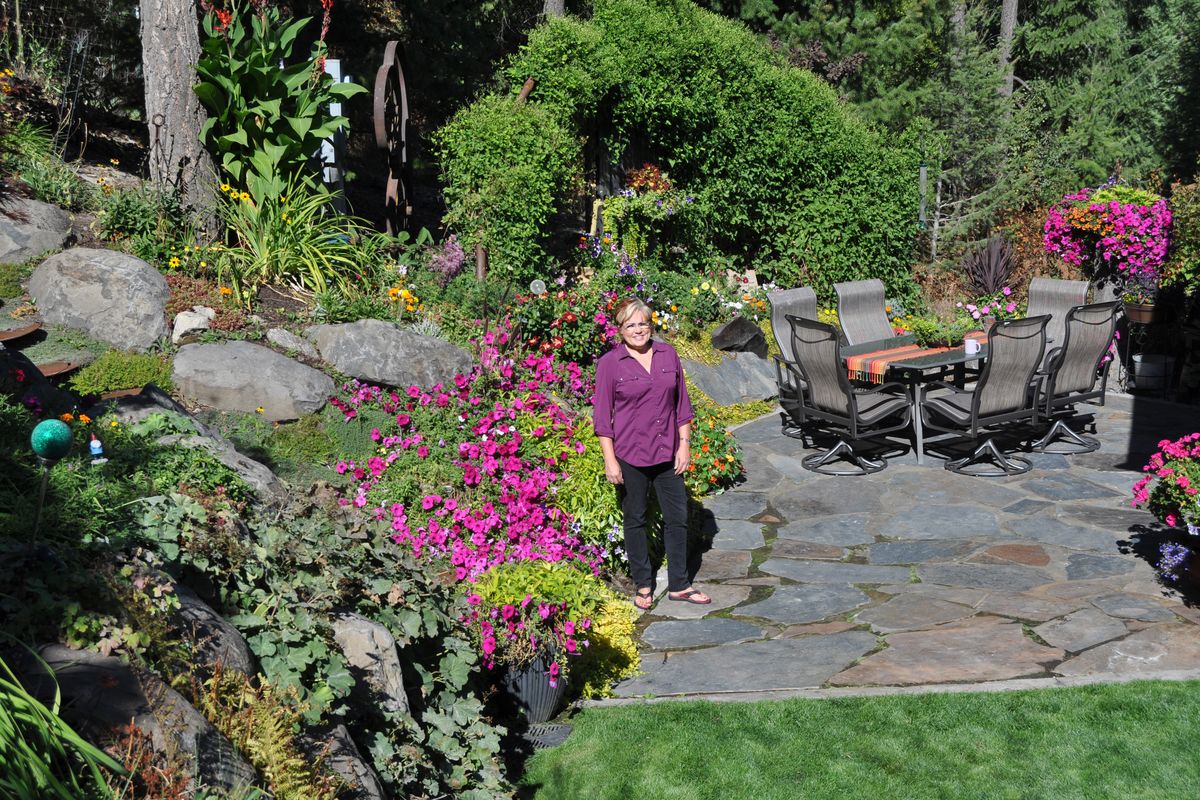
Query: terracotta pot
x: 1142, y: 313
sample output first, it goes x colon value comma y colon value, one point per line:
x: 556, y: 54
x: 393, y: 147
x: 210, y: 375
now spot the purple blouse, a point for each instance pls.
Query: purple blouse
x: 641, y: 412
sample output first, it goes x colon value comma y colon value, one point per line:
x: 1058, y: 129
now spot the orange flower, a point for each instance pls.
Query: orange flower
x: 225, y: 290
x: 67, y: 417
x: 85, y: 419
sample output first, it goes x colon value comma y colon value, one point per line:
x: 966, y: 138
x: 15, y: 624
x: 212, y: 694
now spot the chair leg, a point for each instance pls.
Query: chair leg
x: 987, y: 452
x: 1074, y: 445
x: 818, y: 461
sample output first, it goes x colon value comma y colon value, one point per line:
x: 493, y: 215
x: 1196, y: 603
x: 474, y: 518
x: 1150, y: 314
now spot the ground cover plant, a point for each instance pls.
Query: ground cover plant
x: 1105, y: 742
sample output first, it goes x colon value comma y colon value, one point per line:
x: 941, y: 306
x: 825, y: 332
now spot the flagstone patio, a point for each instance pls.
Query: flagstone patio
x: 919, y: 577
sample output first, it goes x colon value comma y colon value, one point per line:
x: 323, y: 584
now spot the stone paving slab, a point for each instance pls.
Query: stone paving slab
x: 826, y: 497
x: 1079, y: 631
x: 910, y: 612
x: 681, y: 634
x: 773, y: 664
x: 1157, y: 649
x: 723, y: 565
x: 923, y: 486
x: 1063, y: 486
x: 1026, y: 607
x: 1085, y: 566
x: 737, y: 505
x: 953, y: 594
x: 1129, y: 606
x: 1029, y: 555
x: 916, y: 552
x: 1064, y: 534
x: 826, y: 572
x: 723, y: 596
x: 842, y: 530
x: 793, y: 548
x: 790, y: 605
x: 940, y: 522
x: 984, y: 576
x: 980, y: 649
x: 738, y: 535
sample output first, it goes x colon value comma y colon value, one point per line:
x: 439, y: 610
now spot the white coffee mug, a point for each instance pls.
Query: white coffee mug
x: 971, y: 346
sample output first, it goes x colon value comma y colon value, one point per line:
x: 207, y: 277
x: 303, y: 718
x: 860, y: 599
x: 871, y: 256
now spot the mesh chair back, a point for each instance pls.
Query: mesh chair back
x: 1015, y: 349
x: 1089, y: 331
x: 818, y: 352
x: 1056, y: 298
x: 862, y: 311
x: 801, y: 302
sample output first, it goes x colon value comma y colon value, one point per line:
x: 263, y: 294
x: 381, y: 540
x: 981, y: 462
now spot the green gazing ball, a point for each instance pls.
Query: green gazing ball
x: 51, y: 439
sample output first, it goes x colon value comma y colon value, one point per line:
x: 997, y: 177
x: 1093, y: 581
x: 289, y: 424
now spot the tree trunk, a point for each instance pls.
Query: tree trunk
x: 554, y: 8
x: 958, y: 30
x: 170, y: 49
x: 1008, y: 24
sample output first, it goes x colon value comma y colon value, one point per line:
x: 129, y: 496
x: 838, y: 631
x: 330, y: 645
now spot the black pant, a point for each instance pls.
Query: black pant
x: 672, y: 499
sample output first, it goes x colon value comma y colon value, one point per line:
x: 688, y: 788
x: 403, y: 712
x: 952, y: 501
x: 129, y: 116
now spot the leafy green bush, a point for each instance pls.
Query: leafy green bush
x: 1183, y: 267
x: 117, y: 369
x: 783, y: 174
x: 507, y: 169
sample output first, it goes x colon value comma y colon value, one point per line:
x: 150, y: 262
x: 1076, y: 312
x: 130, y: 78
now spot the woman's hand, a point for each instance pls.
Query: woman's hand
x: 612, y: 471
x: 683, y: 457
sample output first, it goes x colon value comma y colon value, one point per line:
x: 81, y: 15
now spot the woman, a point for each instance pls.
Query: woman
x: 643, y: 418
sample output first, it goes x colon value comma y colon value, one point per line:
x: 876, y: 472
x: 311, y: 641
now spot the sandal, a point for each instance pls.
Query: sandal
x: 690, y: 596
x: 643, y: 599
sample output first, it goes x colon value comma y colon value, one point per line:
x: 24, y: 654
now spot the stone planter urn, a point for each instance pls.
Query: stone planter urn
x: 529, y: 688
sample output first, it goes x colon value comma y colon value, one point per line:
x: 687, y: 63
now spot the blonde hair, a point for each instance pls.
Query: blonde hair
x: 630, y: 306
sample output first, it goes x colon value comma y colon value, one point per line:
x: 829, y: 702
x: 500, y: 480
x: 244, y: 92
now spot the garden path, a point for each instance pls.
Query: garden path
x: 915, y: 576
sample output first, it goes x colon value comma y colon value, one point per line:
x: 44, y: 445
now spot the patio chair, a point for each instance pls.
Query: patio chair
x: 855, y: 415
x: 1055, y: 297
x: 1006, y: 393
x: 1072, y: 373
x: 862, y: 311
x: 801, y: 302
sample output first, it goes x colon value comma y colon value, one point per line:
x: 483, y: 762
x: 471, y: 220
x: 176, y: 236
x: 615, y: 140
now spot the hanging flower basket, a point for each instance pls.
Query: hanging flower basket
x: 1143, y: 313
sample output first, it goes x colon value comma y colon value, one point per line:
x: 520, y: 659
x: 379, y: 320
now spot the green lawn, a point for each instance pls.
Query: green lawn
x: 1139, y: 740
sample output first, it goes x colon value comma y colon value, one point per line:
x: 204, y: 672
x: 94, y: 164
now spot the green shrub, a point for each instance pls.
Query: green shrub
x: 507, y: 169
x: 148, y: 218
x: 783, y: 174
x: 120, y: 370
x: 1183, y: 267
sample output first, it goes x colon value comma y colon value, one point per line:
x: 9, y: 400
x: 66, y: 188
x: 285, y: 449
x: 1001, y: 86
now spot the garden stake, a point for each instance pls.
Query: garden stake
x: 50, y: 440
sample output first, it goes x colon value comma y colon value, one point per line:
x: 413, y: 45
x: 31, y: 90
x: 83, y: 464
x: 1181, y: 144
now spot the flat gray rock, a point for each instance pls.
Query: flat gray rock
x: 953, y: 594
x: 925, y: 486
x: 1132, y: 606
x: 735, y: 534
x: 790, y: 467
x: 1065, y: 486
x: 1026, y: 607
x: 723, y: 565
x: 909, y: 612
x: 29, y: 228
x: 916, y: 552
x: 941, y: 522
x: 844, y: 530
x: 382, y: 352
x: 764, y: 429
x: 791, y: 548
x: 243, y: 376
x: 373, y: 659
x: 281, y: 337
x: 983, y: 576
x: 826, y: 572
x: 723, y: 596
x: 978, y: 649
x: 1108, y: 518
x: 682, y: 634
x: 1079, y: 631
x: 739, y: 378
x: 790, y: 605
x: 1085, y: 566
x: 1158, y: 649
x: 110, y: 296
x: 1053, y: 531
x: 1027, y: 506
x: 737, y: 505
x: 758, y: 666
x: 826, y: 497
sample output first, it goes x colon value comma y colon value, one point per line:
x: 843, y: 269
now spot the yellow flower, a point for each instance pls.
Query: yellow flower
x: 174, y: 262
x: 704, y: 286
x: 245, y: 197
x: 114, y: 162
x: 203, y: 264
x: 674, y: 308
x: 695, y: 290
x: 258, y: 410
x: 113, y: 424
x: 224, y: 187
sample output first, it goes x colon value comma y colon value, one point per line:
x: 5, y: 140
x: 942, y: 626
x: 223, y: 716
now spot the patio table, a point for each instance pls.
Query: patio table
x: 911, y: 365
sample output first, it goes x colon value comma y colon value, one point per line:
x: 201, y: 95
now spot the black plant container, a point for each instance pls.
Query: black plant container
x: 530, y: 688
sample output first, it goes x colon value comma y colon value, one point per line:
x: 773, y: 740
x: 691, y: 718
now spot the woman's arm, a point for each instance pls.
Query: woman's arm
x: 683, y: 453
x: 612, y: 467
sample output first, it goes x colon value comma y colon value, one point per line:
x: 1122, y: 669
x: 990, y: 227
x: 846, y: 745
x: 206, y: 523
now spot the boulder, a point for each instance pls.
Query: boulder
x: 29, y: 228
x: 739, y: 378
x: 261, y: 479
x: 214, y: 639
x: 370, y: 651
x: 110, y: 296
x: 189, y: 323
x: 281, y: 337
x: 100, y: 693
x: 243, y: 376
x: 333, y: 743
x: 740, y: 335
x: 382, y: 352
